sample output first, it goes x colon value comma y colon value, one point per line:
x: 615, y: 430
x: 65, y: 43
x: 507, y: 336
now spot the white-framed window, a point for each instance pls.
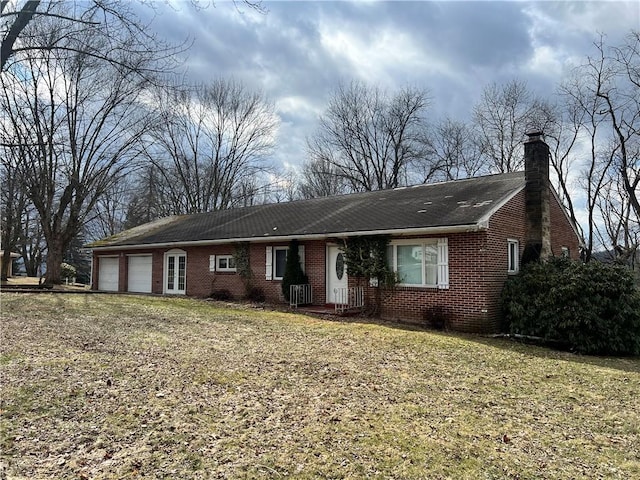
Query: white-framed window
x: 420, y: 262
x: 225, y: 263
x: 277, y: 261
x: 565, y: 252
x: 513, y: 256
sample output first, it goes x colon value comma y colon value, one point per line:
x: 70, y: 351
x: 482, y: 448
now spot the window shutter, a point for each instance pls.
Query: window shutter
x: 301, y: 257
x: 443, y: 263
x: 212, y: 263
x: 269, y: 264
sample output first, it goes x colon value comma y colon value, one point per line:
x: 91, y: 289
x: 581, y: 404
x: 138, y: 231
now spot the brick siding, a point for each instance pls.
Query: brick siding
x: 477, y: 272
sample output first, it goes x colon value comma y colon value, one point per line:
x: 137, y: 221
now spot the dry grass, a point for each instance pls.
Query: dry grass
x: 109, y: 386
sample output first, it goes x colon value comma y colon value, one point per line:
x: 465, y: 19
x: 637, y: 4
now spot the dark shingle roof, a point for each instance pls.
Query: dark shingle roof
x: 448, y: 204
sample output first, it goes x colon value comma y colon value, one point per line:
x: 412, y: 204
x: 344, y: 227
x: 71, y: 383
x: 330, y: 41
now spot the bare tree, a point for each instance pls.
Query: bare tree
x: 454, y: 152
x: 32, y: 244
x: 209, y: 139
x: 619, y: 227
x: 79, y: 22
x: 618, y: 85
x: 147, y: 199
x: 562, y: 132
x: 13, y: 201
x: 603, y: 95
x: 320, y: 178
x: 502, y: 117
x: 580, y: 98
x: 109, y: 214
x: 77, y: 121
x: 370, y: 138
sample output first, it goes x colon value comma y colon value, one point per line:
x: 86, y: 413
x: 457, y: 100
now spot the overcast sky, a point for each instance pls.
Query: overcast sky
x: 298, y: 51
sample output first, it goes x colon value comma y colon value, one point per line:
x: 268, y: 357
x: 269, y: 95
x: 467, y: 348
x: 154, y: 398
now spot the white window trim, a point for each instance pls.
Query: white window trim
x: 513, y: 243
x: 224, y: 269
x: 442, y: 264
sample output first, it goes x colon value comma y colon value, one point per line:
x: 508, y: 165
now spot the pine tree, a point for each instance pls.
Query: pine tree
x: 293, y: 274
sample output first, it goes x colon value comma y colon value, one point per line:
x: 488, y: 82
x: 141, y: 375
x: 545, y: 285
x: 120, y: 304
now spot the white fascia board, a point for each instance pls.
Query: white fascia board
x: 484, y: 221
x: 404, y: 232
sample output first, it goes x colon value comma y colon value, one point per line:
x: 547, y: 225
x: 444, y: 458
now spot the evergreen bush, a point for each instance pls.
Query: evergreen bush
x: 293, y: 274
x: 67, y: 271
x: 592, y: 308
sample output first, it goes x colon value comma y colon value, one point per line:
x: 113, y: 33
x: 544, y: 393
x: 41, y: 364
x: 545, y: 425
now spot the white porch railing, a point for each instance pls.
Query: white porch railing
x: 300, y: 295
x: 348, y: 298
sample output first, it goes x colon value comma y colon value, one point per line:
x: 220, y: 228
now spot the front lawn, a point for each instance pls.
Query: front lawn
x: 118, y: 386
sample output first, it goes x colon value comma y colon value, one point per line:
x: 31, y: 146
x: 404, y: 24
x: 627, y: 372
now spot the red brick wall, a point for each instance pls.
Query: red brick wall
x: 562, y: 234
x: 477, y: 272
x: 463, y: 304
x: 507, y: 223
x: 202, y: 283
x: 314, y: 253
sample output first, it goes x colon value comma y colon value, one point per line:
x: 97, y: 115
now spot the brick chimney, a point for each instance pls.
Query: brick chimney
x: 536, y: 167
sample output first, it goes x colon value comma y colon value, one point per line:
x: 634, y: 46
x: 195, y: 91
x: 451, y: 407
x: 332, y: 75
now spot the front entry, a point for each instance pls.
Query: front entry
x: 336, y: 272
x: 175, y: 277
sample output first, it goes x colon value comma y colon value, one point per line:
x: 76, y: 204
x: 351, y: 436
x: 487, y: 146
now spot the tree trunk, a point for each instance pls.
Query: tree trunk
x: 55, y: 252
x: 6, y: 262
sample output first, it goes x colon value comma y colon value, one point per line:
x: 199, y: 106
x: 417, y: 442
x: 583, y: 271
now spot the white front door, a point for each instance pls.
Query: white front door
x: 336, y: 273
x: 175, y: 267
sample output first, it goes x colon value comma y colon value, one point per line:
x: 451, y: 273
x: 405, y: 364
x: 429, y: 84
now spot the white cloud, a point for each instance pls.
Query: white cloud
x: 383, y: 57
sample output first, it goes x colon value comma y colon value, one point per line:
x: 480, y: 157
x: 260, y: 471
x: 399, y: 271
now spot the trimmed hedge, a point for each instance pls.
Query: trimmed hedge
x: 592, y: 308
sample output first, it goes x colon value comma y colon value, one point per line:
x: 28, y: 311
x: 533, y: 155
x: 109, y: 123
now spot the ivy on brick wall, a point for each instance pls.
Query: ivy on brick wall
x: 366, y: 257
x: 241, y: 256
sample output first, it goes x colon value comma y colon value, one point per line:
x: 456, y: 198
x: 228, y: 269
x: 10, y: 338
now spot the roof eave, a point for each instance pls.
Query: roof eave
x: 506, y: 199
x: 404, y: 232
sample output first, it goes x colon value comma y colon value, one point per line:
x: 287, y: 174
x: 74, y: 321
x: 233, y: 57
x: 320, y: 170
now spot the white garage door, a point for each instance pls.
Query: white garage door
x: 140, y: 273
x: 108, y: 274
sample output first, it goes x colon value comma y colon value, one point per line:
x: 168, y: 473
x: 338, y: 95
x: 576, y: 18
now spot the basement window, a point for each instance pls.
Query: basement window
x: 513, y: 256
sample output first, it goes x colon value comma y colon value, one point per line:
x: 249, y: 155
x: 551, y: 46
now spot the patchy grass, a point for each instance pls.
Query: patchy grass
x: 108, y: 386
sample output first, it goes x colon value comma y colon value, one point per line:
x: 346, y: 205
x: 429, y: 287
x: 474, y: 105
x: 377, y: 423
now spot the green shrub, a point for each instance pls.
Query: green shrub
x: 293, y: 274
x: 255, y: 295
x: 222, y: 295
x: 67, y: 271
x: 592, y: 308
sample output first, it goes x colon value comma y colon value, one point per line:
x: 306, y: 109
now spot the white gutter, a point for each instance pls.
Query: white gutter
x: 474, y: 227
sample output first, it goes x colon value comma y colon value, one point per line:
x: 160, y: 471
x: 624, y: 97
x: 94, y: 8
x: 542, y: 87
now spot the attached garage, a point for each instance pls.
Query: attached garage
x: 139, y: 269
x: 108, y: 274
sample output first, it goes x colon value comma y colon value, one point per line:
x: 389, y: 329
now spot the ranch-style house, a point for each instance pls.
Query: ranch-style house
x: 453, y: 245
